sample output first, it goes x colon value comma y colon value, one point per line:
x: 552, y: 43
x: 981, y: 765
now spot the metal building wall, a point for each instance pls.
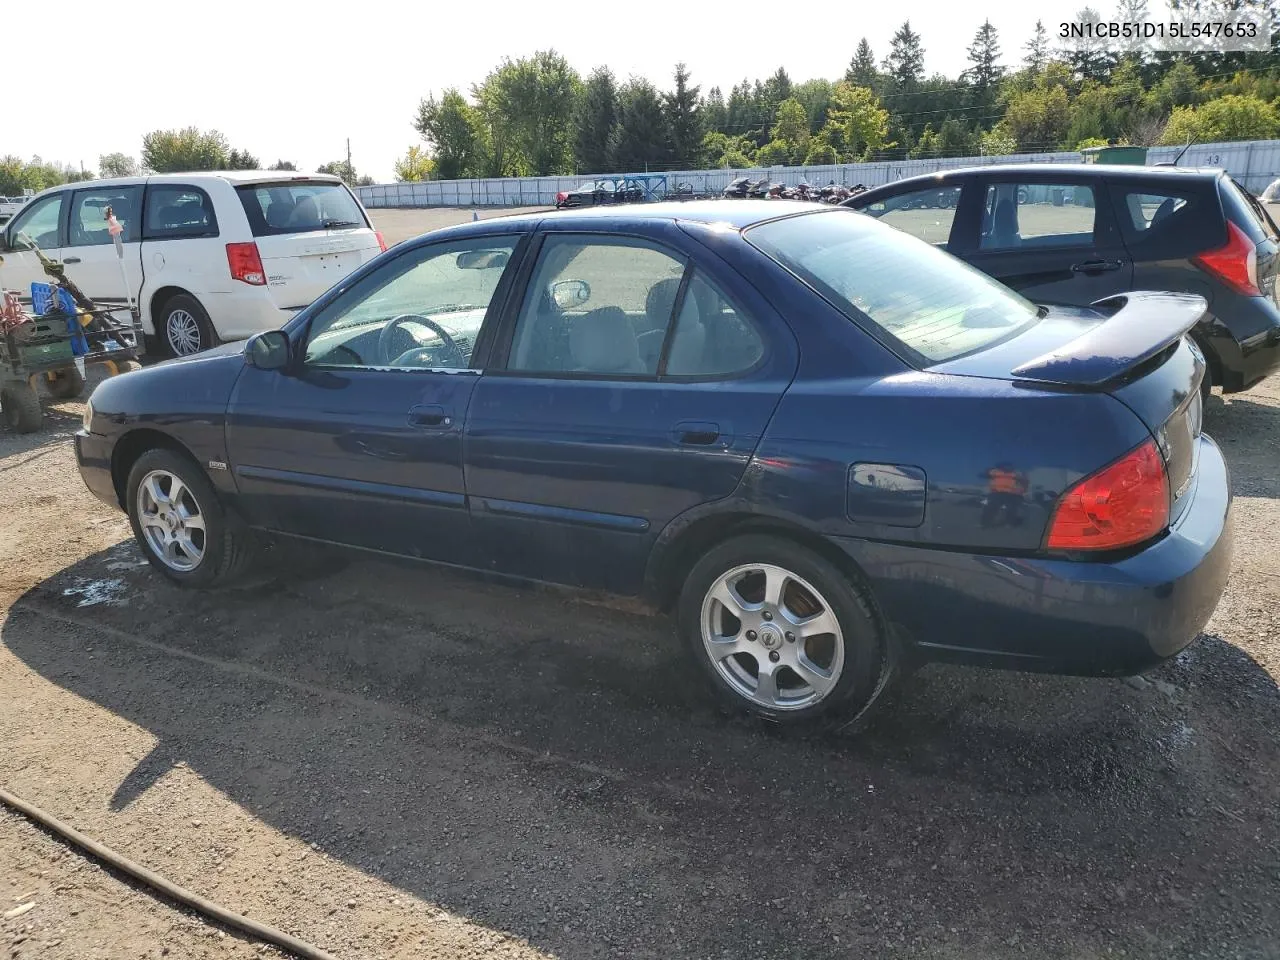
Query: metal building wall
x: 1254, y: 163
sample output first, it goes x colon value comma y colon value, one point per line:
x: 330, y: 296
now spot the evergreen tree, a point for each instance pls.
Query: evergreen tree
x: 1037, y: 48
x: 862, y: 70
x: 905, y: 63
x: 684, y: 121
x: 594, y: 121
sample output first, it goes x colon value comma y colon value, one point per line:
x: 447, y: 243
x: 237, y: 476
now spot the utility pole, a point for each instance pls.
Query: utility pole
x: 349, y: 155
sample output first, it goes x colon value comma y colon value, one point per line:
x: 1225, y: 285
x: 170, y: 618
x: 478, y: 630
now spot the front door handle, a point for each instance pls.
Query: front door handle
x: 70, y: 259
x: 1096, y: 266
x: 429, y: 415
x: 695, y: 433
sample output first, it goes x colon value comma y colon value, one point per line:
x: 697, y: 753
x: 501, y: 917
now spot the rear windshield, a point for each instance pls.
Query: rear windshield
x: 299, y: 206
x: 937, y: 306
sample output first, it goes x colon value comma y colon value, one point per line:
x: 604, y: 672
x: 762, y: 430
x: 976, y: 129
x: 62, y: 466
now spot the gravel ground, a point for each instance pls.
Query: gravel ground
x: 396, y: 761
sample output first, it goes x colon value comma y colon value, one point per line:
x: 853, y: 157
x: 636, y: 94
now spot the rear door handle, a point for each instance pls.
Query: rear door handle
x: 696, y: 433
x: 429, y: 415
x: 1096, y: 266
x: 70, y: 259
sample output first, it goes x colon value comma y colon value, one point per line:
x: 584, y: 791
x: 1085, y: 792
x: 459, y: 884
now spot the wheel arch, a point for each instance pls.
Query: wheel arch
x: 685, y: 541
x: 162, y: 296
x: 131, y: 446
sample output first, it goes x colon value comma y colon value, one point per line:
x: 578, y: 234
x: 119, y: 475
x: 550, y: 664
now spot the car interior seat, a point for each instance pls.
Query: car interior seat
x: 652, y: 329
x: 1004, y: 225
x: 603, y: 341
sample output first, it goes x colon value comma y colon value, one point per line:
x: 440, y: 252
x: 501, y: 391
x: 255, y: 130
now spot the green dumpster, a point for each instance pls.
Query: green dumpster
x: 1136, y: 156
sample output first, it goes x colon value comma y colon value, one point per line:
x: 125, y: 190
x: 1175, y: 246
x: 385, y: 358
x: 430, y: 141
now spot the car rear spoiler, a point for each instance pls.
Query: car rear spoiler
x: 1141, y: 325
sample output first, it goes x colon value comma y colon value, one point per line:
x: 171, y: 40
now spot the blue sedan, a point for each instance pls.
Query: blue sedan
x: 828, y: 448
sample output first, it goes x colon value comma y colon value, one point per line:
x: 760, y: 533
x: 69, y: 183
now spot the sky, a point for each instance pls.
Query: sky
x: 291, y: 80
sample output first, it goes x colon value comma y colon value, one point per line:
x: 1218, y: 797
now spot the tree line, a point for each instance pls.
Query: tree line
x: 535, y: 115
x: 163, y: 151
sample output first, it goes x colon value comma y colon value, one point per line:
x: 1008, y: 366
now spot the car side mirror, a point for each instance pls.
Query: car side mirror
x: 268, y: 351
x: 567, y: 294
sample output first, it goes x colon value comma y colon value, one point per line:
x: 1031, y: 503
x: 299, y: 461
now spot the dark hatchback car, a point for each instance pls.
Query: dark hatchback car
x: 596, y: 192
x: 825, y: 445
x: 1077, y: 233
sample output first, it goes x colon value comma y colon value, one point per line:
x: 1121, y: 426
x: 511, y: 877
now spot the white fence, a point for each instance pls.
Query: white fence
x: 1254, y: 163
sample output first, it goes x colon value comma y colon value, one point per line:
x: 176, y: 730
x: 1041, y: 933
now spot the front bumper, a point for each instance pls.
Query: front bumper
x: 1062, y: 616
x: 93, y: 457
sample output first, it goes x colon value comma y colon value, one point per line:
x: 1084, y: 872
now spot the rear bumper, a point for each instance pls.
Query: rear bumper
x: 93, y: 457
x: 1061, y: 616
x: 239, y: 314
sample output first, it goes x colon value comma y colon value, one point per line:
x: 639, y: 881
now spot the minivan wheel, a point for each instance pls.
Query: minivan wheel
x: 184, y: 326
x: 180, y: 524
x: 782, y: 633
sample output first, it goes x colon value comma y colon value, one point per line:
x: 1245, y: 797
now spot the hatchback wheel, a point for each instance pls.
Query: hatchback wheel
x: 185, y: 327
x: 782, y: 633
x: 179, y: 522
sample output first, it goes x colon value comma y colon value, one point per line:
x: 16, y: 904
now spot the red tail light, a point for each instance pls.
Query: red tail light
x: 1120, y: 505
x: 1236, y: 264
x: 382, y: 243
x: 246, y: 264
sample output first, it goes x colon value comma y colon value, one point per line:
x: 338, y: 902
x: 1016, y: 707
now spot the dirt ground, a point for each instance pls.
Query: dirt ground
x: 394, y: 761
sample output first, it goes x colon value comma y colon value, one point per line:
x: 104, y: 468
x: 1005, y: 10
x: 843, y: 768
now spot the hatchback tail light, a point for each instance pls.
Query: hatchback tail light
x: 1120, y: 505
x: 382, y: 243
x: 246, y: 264
x: 1236, y: 264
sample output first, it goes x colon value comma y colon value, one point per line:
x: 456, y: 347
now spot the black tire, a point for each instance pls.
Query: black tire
x: 65, y: 384
x: 180, y: 336
x: 21, y: 406
x: 227, y: 545
x: 867, y: 658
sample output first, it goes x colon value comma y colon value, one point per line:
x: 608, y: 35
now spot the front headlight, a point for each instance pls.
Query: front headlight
x: 86, y: 421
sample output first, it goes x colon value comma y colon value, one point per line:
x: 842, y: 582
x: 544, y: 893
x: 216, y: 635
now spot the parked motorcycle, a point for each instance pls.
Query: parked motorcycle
x: 744, y: 187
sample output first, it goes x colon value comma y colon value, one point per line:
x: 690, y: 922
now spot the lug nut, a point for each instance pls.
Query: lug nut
x: 768, y: 615
x: 751, y: 634
x: 774, y: 656
x: 791, y: 638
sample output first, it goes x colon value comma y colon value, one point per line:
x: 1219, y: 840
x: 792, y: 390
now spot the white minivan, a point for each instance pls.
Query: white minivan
x: 209, y: 257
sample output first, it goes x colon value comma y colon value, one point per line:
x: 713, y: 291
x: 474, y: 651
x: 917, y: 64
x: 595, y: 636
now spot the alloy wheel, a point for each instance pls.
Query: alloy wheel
x: 171, y: 521
x: 772, y: 637
x: 183, y: 333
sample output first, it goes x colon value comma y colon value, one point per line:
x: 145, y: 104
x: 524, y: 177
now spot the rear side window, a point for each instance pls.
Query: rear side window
x: 299, y: 206
x: 1038, y: 215
x: 935, y: 305
x: 711, y: 339
x: 1245, y: 210
x: 927, y: 214
x: 178, y: 212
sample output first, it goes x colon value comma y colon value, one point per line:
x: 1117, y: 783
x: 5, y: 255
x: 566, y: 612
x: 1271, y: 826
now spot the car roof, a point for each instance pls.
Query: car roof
x: 1105, y: 170
x: 196, y: 176
x: 735, y: 213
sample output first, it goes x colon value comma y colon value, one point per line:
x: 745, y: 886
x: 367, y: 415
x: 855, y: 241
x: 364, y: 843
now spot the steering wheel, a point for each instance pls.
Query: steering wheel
x: 389, y: 331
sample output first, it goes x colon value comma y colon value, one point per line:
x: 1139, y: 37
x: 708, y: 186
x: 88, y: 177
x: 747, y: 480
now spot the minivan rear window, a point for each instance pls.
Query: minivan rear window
x: 937, y: 306
x: 299, y: 206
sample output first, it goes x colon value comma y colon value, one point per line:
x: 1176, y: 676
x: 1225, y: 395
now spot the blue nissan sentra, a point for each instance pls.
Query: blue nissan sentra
x: 827, y: 448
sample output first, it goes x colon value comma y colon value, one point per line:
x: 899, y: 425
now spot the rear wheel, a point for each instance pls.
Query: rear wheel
x: 782, y: 633
x: 65, y: 384
x: 180, y: 524
x: 183, y: 326
x: 20, y: 405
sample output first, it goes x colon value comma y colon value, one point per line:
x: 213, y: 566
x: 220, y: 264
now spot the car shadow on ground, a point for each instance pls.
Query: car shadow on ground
x: 1248, y: 430
x: 552, y: 769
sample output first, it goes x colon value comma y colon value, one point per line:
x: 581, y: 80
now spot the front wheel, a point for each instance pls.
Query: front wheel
x: 782, y: 633
x: 21, y: 407
x: 180, y: 524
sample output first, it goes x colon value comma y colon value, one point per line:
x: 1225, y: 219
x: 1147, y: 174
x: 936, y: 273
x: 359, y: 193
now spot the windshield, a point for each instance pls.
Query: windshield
x: 299, y: 206
x: 927, y: 300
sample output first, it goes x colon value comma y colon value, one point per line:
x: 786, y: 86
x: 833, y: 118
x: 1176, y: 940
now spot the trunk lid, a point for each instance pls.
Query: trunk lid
x: 1132, y: 347
x: 310, y: 234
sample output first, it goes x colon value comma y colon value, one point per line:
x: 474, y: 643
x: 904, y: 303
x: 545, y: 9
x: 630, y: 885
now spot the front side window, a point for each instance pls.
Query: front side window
x: 927, y: 300
x: 597, y: 306
x: 1038, y: 215
x: 39, y: 221
x: 299, y: 207
x: 927, y: 214
x: 88, y: 226
x: 423, y: 310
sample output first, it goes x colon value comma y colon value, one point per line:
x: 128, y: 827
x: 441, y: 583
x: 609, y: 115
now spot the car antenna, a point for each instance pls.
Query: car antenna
x: 1181, y: 153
